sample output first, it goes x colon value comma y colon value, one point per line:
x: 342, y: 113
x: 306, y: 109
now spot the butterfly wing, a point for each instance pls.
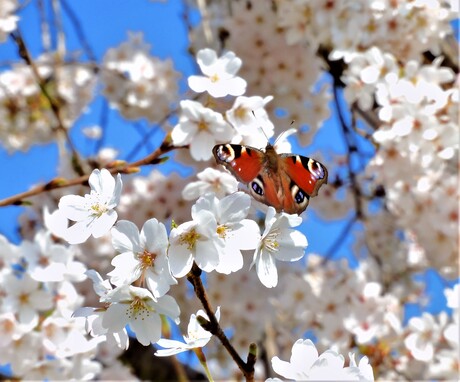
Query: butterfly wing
x: 245, y: 163
x: 306, y: 175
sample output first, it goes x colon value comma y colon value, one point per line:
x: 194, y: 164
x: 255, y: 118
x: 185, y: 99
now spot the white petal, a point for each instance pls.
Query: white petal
x: 168, y: 306
x: 236, y: 86
x: 78, y: 233
x: 201, y: 146
x: 198, y: 84
x: 230, y: 260
x: 180, y: 260
x: 266, y: 269
x: 125, y: 237
x: 154, y: 235
x: 148, y: 330
x: 231, y: 63
x: 247, y: 233
x: 234, y: 207
x: 116, y: 317
x: 292, y: 244
x: 103, y: 224
x: 207, y: 255
x: 206, y: 58
x: 74, y: 207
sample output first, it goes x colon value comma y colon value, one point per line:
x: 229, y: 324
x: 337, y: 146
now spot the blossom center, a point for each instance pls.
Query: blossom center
x: 241, y: 113
x: 189, y: 238
x: 98, y: 209
x: 271, y: 242
x: 146, y: 259
x: 138, y: 308
x: 214, y: 78
x: 222, y: 231
x: 202, y: 125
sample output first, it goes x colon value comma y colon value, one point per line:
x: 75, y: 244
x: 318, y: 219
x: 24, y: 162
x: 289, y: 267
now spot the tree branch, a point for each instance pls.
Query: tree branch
x: 54, y: 105
x: 247, y: 368
x: 116, y: 167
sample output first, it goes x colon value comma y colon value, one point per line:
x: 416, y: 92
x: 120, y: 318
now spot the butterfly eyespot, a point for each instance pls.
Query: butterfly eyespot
x: 225, y: 153
x: 315, y: 168
x: 299, y: 196
x: 257, y: 186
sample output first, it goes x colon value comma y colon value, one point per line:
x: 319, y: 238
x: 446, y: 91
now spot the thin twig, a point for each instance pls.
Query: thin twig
x: 54, y: 105
x: 122, y: 168
x: 247, y: 368
x: 351, y: 149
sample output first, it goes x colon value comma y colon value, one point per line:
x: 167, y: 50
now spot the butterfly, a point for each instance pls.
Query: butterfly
x: 284, y: 181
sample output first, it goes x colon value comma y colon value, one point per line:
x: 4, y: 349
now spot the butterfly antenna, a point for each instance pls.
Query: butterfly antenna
x: 260, y: 127
x: 286, y: 133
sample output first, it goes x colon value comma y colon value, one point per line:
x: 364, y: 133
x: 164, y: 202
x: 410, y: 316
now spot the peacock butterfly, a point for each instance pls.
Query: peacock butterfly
x: 284, y: 181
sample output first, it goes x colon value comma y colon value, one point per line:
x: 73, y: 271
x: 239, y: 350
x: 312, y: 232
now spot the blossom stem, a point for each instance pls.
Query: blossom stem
x: 247, y: 368
x: 202, y: 358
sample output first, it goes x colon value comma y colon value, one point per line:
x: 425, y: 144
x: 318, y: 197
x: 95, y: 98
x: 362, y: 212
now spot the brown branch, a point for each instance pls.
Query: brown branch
x: 247, y: 368
x: 116, y: 167
x: 351, y: 149
x: 54, y: 104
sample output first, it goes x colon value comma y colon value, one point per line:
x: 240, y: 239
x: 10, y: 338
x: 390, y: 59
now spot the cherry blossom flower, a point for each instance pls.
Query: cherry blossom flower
x: 237, y: 232
x: 94, y: 213
x: 201, y: 128
x: 306, y: 365
x: 26, y: 297
x: 196, y: 337
x: 10, y: 329
x: 25, y: 119
x: 210, y: 180
x: 279, y: 242
x: 424, y: 332
x: 220, y: 74
x: 143, y: 255
x: 95, y: 316
x: 138, y: 308
x: 250, y: 119
x: 48, y: 261
x: 136, y: 83
x: 195, y: 240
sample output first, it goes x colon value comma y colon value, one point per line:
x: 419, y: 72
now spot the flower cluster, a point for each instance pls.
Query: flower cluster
x: 379, y: 23
x: 137, y: 84
x: 39, y: 337
x: 418, y: 146
x: 26, y: 115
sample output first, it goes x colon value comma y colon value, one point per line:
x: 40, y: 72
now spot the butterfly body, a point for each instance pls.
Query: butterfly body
x: 284, y: 181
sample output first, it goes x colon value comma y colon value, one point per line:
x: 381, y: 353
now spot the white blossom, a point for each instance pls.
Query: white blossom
x: 94, y: 213
x: 142, y: 256
x: 196, y: 337
x: 201, y: 128
x: 219, y: 77
x: 279, y: 242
